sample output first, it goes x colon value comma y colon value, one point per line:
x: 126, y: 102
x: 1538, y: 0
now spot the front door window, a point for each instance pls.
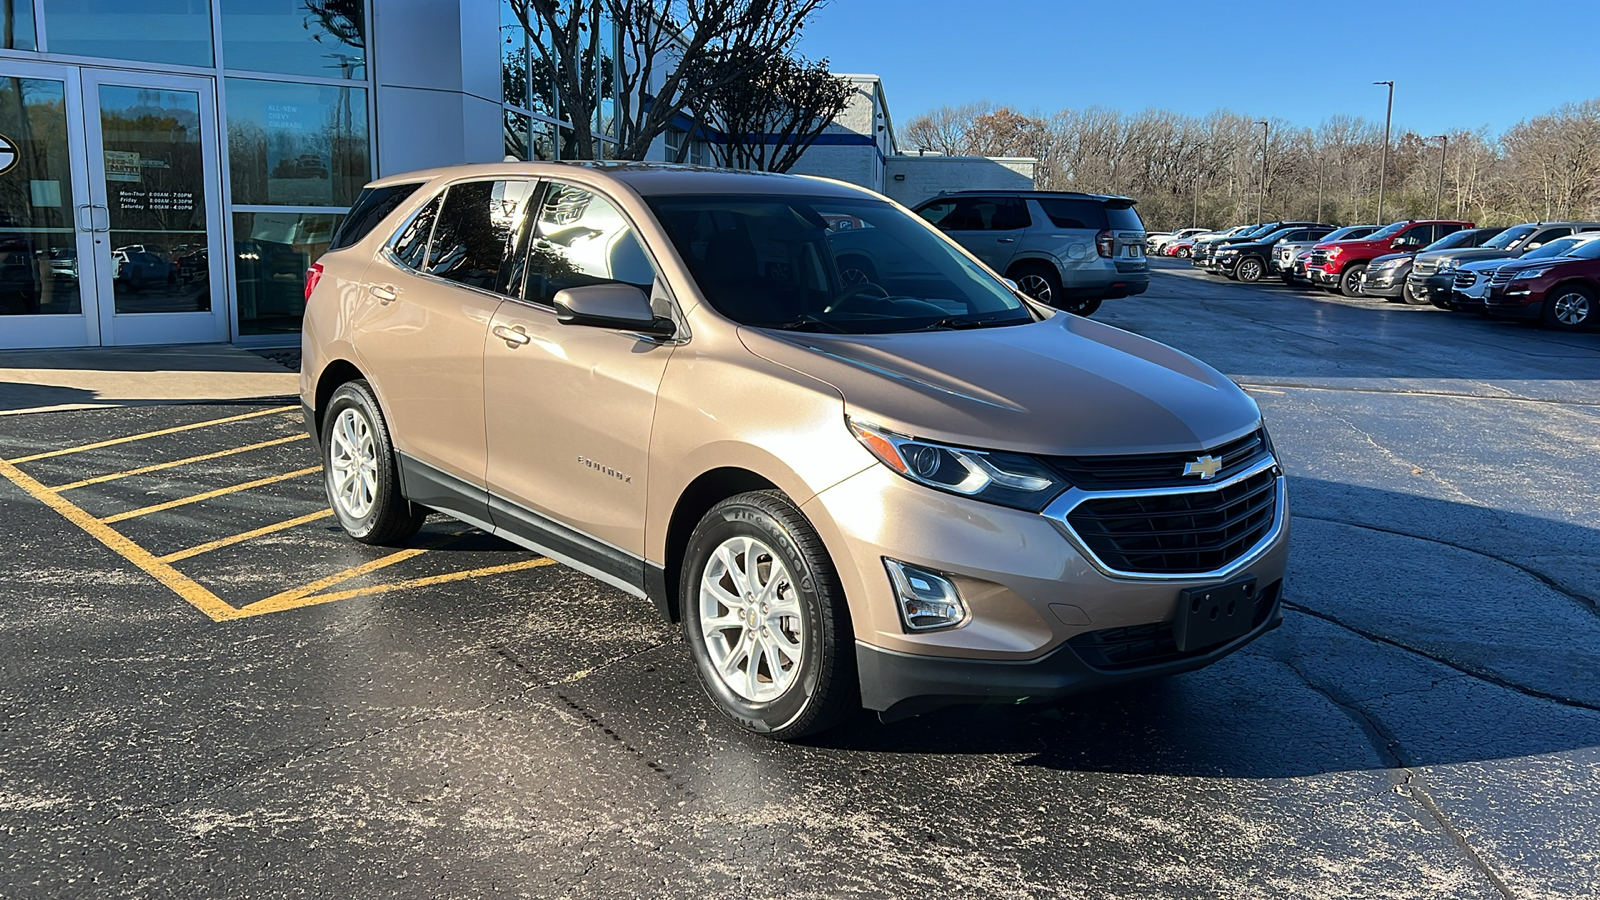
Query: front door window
x: 39, y: 268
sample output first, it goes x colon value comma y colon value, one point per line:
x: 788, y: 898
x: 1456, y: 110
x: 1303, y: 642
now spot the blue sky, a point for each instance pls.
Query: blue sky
x: 1462, y: 64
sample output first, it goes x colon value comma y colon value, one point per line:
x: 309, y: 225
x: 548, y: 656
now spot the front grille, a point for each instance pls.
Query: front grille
x: 1176, y: 534
x: 1465, y: 280
x: 1113, y: 649
x: 1319, y: 257
x: 1425, y: 267
x: 1144, y: 470
x: 1501, y: 276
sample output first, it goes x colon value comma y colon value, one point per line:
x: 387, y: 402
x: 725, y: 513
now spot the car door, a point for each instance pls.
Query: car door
x: 570, y: 408
x: 430, y: 297
x: 988, y: 227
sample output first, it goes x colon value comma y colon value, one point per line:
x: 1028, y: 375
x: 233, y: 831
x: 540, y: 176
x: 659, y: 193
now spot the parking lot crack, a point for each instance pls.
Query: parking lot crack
x: 1479, y: 674
x: 1588, y: 603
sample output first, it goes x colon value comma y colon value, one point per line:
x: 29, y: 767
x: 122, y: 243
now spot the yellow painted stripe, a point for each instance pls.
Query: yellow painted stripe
x: 100, y: 479
x: 282, y: 603
x: 150, y: 434
x: 381, y: 562
x: 176, y: 581
x: 245, y: 536
x: 233, y: 489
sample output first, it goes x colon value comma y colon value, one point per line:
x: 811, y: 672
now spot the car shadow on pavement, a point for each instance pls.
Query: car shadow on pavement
x: 1403, y: 644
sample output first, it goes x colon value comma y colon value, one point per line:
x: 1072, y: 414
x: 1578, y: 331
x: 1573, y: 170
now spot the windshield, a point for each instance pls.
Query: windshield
x: 1511, y: 237
x: 845, y: 266
x: 1350, y: 233
x: 1457, y: 239
x: 1586, y: 250
x: 1387, y: 231
x: 1557, y: 247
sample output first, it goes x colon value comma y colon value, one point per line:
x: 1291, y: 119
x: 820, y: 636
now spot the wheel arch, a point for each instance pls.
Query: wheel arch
x: 705, y: 491
x: 334, y: 374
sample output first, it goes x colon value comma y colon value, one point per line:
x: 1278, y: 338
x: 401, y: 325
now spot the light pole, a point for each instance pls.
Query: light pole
x: 1383, y: 165
x: 1261, y: 198
x: 1319, y: 186
x: 1438, y: 198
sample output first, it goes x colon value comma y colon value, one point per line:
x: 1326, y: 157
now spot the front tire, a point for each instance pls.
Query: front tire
x: 766, y: 620
x: 1571, y: 308
x: 1250, y: 269
x: 1183, y: 253
x: 1350, y: 282
x: 360, y: 470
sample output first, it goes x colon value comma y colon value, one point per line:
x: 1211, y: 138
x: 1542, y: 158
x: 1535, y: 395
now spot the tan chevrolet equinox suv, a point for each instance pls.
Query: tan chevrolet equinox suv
x: 899, y: 493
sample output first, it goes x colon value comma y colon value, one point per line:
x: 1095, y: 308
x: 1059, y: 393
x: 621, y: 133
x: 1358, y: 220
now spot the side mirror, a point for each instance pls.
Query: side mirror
x: 619, y: 306
x: 1533, y: 247
x: 1011, y: 284
x: 1397, y: 243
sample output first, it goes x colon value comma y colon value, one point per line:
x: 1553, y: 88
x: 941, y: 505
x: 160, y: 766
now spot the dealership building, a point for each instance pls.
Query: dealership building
x: 169, y: 168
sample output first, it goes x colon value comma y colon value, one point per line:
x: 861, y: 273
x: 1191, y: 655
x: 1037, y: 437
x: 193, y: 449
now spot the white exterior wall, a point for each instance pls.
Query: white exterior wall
x: 437, y: 68
x: 913, y: 179
x: 864, y: 123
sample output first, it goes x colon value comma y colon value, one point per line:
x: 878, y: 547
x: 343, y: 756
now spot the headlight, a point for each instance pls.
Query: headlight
x: 1009, y: 479
x: 1229, y: 251
x: 1529, y: 274
x: 1449, y: 265
x: 1334, y: 253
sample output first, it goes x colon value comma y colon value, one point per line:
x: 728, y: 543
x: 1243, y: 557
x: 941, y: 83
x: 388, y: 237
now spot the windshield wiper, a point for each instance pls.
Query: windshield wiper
x: 950, y: 323
x: 809, y: 323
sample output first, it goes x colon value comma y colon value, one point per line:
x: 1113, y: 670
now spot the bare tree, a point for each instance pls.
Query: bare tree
x: 944, y: 130
x: 773, y: 117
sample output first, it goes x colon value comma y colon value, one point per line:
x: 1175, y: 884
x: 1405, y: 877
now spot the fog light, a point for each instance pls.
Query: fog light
x: 927, y: 601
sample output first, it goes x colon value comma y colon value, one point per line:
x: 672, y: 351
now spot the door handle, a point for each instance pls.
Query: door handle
x: 384, y: 292
x: 1007, y: 240
x: 86, y: 218
x: 514, y: 336
x: 99, y: 219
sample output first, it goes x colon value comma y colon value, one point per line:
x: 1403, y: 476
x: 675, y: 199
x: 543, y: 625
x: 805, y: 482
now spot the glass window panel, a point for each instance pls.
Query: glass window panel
x: 298, y: 37
x: 605, y: 112
x: 517, y: 56
x: 581, y: 239
x: 271, y: 254
x: 38, y: 238
x: 516, y: 135
x: 297, y: 144
x: 16, y: 25
x: 480, y: 223
x: 166, y: 31
x: 372, y: 207
x: 544, y: 141
x: 411, y: 247
x: 156, y: 199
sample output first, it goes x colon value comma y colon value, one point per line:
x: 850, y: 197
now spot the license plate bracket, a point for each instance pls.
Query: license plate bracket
x: 1215, y: 614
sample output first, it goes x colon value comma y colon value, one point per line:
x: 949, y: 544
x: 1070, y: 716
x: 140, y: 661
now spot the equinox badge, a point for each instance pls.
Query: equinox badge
x: 1206, y: 467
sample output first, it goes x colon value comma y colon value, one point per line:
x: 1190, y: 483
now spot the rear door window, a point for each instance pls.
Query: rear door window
x: 372, y: 207
x: 1066, y: 212
x: 478, y: 227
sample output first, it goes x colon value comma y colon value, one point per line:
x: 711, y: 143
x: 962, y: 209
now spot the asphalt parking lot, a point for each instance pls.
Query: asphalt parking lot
x: 206, y: 688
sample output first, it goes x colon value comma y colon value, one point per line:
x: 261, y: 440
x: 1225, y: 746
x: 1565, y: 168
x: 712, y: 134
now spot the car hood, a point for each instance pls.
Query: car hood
x: 1064, y: 386
x: 1474, y: 254
x: 1390, y: 258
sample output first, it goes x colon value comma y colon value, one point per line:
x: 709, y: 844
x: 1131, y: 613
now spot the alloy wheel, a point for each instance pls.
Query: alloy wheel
x: 750, y: 617
x: 1249, y: 270
x: 1573, y: 309
x: 1035, y: 286
x: 353, y: 462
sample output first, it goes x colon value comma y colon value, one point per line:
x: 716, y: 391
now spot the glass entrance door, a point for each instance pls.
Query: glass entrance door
x: 47, y: 292
x: 109, y: 208
x: 155, y: 215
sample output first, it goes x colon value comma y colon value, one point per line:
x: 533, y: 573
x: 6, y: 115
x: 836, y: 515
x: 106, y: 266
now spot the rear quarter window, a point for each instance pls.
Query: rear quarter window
x: 1069, y: 213
x: 373, y: 206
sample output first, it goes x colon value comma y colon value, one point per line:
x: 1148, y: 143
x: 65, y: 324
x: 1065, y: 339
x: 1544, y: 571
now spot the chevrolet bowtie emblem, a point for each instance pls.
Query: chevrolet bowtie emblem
x: 1206, y: 467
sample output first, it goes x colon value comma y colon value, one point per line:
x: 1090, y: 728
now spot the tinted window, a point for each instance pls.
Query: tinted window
x: 1511, y: 237
x: 1549, y: 234
x: 1587, y: 250
x: 1419, y: 236
x: 847, y: 265
x: 579, y: 239
x: 476, y: 230
x: 977, y: 214
x: 1458, y: 239
x: 371, y: 207
x: 1123, y: 218
x: 411, y: 247
x: 1068, y: 213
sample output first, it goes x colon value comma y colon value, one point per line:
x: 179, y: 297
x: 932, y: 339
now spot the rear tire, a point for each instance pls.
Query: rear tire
x: 360, y: 470
x: 1350, y: 282
x: 1571, y: 308
x: 758, y: 589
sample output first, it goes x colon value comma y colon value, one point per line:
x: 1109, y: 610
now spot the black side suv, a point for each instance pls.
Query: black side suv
x: 1247, y: 260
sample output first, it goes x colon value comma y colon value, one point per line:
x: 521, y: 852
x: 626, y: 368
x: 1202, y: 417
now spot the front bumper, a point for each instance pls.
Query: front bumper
x: 1033, y: 594
x: 902, y: 684
x: 1505, y: 305
x: 1382, y: 285
x: 1432, y: 288
x: 1322, y: 277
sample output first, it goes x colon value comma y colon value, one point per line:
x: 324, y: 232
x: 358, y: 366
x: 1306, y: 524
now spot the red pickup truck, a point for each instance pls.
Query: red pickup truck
x: 1337, y: 265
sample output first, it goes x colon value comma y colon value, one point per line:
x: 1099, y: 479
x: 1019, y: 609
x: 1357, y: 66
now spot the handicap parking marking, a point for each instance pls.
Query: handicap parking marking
x: 327, y: 589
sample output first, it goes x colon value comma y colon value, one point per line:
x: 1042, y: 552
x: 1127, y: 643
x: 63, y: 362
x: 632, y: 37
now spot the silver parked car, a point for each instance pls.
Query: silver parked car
x: 1068, y: 250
